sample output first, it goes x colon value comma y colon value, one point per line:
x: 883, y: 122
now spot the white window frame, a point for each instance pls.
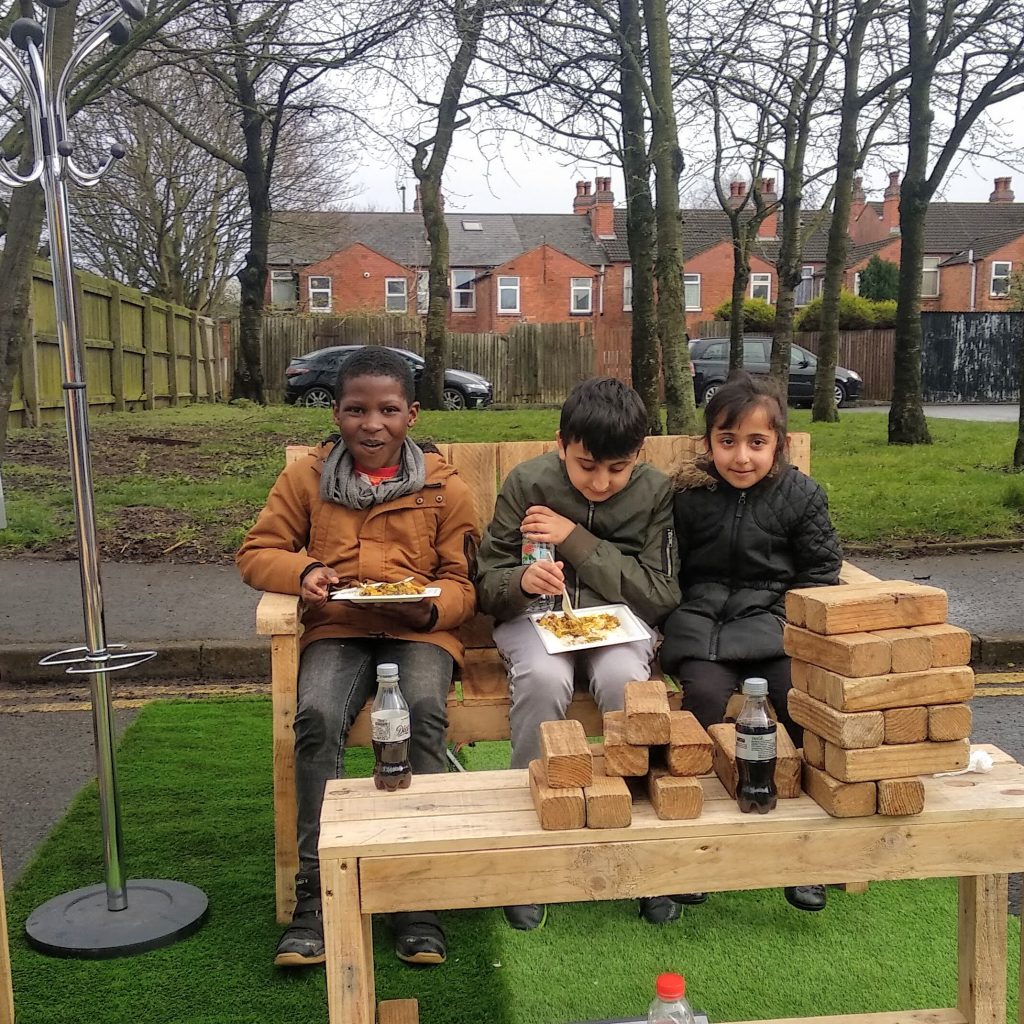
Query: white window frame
x: 578, y: 288
x: 928, y: 267
x: 468, y: 287
x: 761, y: 281
x: 627, y: 289
x: 806, y: 274
x: 320, y: 290
x: 690, y: 280
x: 289, y: 276
x: 402, y: 293
x: 856, y: 283
x: 422, y: 291
x: 1004, y: 277
x: 507, y: 283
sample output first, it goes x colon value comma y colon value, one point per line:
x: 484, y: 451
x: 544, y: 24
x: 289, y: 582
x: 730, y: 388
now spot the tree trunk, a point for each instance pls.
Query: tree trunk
x: 1018, y: 450
x: 740, y: 282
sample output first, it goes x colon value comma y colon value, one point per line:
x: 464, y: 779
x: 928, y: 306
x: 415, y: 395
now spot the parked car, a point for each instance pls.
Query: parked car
x: 309, y: 379
x: 710, y: 360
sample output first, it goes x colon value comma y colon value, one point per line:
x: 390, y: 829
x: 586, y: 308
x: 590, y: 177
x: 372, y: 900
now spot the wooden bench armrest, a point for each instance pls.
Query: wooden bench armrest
x: 849, y: 573
x: 277, y: 614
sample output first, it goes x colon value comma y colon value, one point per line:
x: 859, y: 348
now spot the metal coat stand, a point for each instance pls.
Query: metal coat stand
x: 118, y: 917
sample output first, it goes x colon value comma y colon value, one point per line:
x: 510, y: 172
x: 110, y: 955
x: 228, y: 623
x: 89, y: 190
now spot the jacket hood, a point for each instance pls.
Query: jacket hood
x: 695, y: 474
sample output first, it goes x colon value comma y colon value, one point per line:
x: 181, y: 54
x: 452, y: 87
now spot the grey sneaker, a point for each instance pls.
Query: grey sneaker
x: 302, y: 944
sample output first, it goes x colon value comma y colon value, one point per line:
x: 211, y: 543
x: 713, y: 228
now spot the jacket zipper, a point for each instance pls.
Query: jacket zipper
x: 590, y: 523
x: 741, y: 506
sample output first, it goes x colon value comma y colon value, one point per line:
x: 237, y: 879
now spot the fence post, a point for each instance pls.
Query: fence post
x: 172, y: 356
x: 193, y: 351
x: 117, y: 355
x: 30, y: 373
x: 207, y: 346
x: 149, y: 357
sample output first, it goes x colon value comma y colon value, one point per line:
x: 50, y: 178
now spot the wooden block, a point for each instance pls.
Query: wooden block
x: 787, y: 763
x: 622, y: 758
x: 787, y: 766
x: 907, y: 725
x: 950, y: 645
x: 647, y: 713
x: 674, y: 798
x: 689, y: 746
x: 840, y: 799
x: 398, y: 1011
x: 567, y: 759
x: 899, y: 761
x: 735, y: 706
x: 852, y: 654
x: 609, y: 803
x: 900, y: 796
x: 873, y: 693
x: 844, y: 729
x: 949, y: 722
x: 862, y: 607
x: 558, y: 809
x: 814, y: 750
x: 909, y: 650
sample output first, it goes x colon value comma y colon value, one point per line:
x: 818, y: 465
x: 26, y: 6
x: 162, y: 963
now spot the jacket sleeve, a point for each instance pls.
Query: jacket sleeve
x: 648, y: 583
x: 271, y: 556
x: 456, y: 539
x: 500, y: 569
x: 815, y: 543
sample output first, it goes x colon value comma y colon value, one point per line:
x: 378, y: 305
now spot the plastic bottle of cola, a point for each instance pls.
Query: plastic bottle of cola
x: 670, y: 1005
x: 755, y: 750
x: 539, y: 551
x: 389, y: 721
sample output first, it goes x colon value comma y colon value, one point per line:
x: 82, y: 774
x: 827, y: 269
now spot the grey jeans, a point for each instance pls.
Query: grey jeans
x: 541, y: 684
x: 336, y: 678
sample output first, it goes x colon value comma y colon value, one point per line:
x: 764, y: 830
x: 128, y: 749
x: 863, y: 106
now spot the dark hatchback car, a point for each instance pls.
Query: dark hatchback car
x: 309, y: 379
x: 710, y: 358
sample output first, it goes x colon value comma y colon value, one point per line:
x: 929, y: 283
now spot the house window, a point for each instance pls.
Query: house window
x: 805, y: 289
x: 761, y: 287
x: 508, y: 295
x: 627, y: 289
x: 422, y: 291
x: 930, y: 277
x: 580, y: 296
x: 395, y: 300
x: 320, y: 294
x: 691, y: 287
x: 1001, y: 277
x: 464, y: 291
x: 283, y: 290
x: 856, y: 283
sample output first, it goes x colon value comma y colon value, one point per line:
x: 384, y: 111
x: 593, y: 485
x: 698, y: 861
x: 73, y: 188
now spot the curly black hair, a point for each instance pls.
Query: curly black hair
x: 376, y: 361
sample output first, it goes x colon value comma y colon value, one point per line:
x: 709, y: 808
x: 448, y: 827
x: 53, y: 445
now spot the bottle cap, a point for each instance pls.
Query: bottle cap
x: 387, y: 670
x: 670, y: 987
x: 755, y: 687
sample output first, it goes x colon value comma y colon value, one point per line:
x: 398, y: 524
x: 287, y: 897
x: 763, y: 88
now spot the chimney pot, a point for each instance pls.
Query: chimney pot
x: 1003, y: 193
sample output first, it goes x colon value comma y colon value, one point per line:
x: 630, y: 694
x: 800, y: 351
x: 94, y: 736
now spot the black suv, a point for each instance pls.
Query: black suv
x: 710, y: 358
x: 309, y: 379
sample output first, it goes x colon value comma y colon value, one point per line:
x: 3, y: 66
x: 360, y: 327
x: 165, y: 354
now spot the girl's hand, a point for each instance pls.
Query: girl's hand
x: 543, y: 578
x: 317, y: 583
x: 540, y: 523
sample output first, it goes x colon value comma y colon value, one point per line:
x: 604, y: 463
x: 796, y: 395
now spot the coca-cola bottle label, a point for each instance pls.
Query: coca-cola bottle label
x: 390, y: 726
x: 755, y: 746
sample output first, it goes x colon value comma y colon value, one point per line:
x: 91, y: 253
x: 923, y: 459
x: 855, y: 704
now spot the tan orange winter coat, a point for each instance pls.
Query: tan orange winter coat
x: 429, y: 535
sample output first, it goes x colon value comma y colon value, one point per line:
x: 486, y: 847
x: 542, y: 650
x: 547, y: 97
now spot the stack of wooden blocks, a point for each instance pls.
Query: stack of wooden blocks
x: 880, y: 685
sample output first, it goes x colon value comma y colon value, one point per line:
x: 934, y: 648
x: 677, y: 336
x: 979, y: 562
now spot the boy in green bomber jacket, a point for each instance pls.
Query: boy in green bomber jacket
x: 609, y: 518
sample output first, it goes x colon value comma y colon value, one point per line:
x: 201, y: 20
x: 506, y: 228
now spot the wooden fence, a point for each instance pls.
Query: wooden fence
x: 140, y: 353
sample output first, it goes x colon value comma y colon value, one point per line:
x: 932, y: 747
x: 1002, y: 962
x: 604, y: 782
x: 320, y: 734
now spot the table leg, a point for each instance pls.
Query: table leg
x: 6, y: 993
x: 348, y: 938
x: 981, y: 949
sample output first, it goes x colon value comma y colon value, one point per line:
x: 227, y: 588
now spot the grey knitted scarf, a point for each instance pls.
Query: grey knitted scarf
x: 342, y: 485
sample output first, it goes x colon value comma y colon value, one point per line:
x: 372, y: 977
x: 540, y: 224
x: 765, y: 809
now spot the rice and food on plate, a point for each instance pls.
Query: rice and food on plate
x: 404, y: 588
x: 579, y: 629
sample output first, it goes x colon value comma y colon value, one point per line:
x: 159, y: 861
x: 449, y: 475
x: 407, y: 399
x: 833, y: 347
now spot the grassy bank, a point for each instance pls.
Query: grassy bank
x: 184, y: 484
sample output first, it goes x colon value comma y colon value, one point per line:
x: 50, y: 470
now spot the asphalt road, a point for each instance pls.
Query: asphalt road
x: 979, y: 413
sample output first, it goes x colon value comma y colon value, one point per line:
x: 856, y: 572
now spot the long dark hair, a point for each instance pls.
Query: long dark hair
x: 739, y: 395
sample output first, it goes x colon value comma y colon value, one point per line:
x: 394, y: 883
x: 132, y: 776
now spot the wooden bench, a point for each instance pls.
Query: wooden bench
x: 474, y: 840
x: 478, y: 703
x: 6, y: 991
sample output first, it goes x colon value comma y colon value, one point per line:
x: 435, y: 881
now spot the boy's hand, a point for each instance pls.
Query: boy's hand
x: 317, y: 583
x: 543, y: 578
x: 414, y: 614
x: 540, y: 523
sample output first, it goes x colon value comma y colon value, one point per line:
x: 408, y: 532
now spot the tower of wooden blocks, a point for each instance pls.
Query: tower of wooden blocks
x: 880, y: 685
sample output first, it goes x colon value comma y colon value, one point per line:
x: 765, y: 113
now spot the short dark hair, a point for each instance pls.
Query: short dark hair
x: 606, y: 416
x: 741, y: 393
x: 375, y: 361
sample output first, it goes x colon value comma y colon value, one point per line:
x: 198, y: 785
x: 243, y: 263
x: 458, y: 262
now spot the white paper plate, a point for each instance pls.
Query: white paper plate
x: 630, y: 629
x: 352, y: 594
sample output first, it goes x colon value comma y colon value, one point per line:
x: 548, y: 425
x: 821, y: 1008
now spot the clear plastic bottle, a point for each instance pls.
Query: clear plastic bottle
x: 539, y: 551
x: 391, y: 728
x: 756, y: 750
x: 669, y: 1005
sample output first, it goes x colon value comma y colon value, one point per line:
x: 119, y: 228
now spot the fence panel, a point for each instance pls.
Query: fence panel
x: 868, y: 352
x: 971, y: 357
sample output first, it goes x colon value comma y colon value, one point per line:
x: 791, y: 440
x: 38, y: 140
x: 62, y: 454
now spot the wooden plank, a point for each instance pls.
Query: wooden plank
x: 875, y: 693
x: 674, y: 798
x: 557, y: 809
x: 787, y: 763
x: 622, y: 758
x: 609, y: 803
x: 689, y: 747
x: 850, y: 573
x: 895, y: 762
x: 950, y: 645
x: 284, y: 670
x: 799, y: 444
x: 898, y: 797
x: 860, y: 607
x: 478, y: 632
x: 568, y: 763
x: 6, y: 988
x: 844, y: 729
x: 981, y: 949
x: 814, y: 750
x: 477, y: 466
x: 484, y: 679
x: 348, y: 940
x: 512, y: 453
x: 399, y: 1011
x: 949, y: 722
x: 647, y: 713
x: 910, y: 651
x: 668, y: 451
x: 839, y: 799
x: 852, y: 654
x: 906, y: 725
x: 277, y: 614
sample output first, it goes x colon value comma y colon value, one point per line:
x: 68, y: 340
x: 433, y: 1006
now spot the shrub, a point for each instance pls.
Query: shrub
x: 855, y: 314
x: 879, y: 280
x: 758, y: 315
x: 885, y: 314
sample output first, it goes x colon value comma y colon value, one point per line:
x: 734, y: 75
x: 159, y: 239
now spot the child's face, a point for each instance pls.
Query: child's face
x: 745, y: 452
x: 374, y: 417
x: 595, y: 479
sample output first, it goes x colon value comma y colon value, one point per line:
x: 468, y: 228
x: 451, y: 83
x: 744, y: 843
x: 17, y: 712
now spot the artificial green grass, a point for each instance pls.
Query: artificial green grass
x: 196, y: 791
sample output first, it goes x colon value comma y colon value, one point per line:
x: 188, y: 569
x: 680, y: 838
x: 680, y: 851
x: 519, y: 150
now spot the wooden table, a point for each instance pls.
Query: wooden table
x: 473, y: 840
x: 6, y: 992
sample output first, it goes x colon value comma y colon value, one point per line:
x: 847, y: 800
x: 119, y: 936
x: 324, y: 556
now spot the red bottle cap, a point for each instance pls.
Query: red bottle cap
x: 670, y: 987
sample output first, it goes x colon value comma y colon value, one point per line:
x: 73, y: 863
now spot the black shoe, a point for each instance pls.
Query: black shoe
x: 525, y: 917
x: 690, y: 899
x: 302, y: 944
x: 805, y: 897
x: 419, y: 938
x: 659, y: 909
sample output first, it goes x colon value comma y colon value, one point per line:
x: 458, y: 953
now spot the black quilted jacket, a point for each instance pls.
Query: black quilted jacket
x: 740, y: 551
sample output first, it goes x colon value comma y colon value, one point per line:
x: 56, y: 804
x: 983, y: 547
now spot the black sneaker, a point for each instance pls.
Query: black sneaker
x: 419, y: 938
x: 805, y: 897
x: 659, y: 909
x: 302, y: 944
x: 525, y: 917
x: 690, y: 899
